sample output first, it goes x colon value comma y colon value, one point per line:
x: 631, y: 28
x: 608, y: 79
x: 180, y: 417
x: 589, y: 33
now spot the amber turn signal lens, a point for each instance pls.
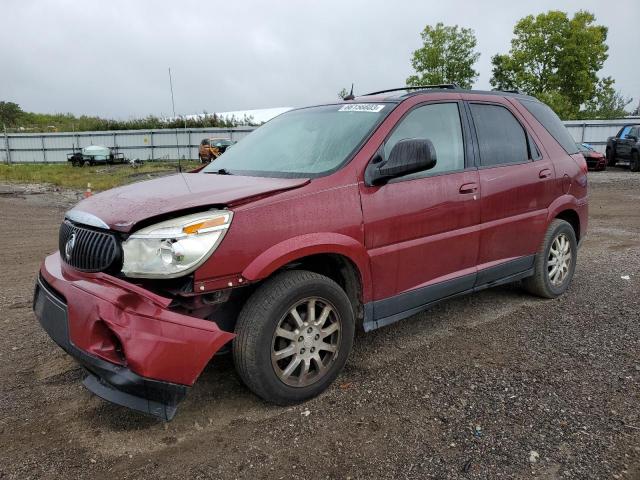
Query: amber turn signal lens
x: 196, y: 227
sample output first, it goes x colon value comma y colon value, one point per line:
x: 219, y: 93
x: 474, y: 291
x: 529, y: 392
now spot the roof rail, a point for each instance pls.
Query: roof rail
x: 449, y: 86
x: 506, y: 90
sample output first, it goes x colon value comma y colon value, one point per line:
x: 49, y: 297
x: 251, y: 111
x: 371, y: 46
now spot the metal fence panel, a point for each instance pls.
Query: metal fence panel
x: 144, y: 144
x: 163, y: 145
x: 596, y: 132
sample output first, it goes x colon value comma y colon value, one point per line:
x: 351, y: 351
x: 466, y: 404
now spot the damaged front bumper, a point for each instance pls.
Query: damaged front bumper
x: 137, y: 352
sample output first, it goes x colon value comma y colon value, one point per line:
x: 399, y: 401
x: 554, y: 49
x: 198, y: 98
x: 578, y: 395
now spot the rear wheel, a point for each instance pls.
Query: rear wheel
x: 634, y: 165
x: 555, y: 261
x: 294, y: 335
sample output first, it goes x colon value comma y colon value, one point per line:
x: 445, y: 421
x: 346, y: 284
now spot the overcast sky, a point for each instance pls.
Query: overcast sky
x: 110, y: 58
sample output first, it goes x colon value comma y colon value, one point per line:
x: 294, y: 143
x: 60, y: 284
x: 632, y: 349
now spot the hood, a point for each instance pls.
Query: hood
x: 123, y: 207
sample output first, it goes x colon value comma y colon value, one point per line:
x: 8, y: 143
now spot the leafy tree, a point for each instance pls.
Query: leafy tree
x: 343, y: 93
x: 9, y: 113
x: 557, y: 58
x: 606, y: 102
x: 447, y: 56
x: 66, y: 122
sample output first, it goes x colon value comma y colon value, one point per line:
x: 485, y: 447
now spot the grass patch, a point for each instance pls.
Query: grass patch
x: 101, y: 177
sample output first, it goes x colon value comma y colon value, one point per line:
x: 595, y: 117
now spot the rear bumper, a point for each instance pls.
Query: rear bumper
x: 138, y: 353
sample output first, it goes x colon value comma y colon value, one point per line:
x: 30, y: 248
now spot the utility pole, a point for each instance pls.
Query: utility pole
x: 175, y: 119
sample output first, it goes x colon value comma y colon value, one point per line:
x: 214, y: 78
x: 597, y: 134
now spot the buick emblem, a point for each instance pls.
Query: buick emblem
x: 68, y: 248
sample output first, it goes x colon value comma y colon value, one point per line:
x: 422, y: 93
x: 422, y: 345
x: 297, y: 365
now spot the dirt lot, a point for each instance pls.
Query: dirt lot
x: 495, y: 385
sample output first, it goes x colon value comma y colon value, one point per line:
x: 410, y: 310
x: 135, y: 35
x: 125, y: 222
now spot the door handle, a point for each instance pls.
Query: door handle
x: 469, y: 188
x: 544, y: 173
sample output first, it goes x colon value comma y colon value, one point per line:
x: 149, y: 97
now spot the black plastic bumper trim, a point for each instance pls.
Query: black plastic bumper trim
x: 114, y: 383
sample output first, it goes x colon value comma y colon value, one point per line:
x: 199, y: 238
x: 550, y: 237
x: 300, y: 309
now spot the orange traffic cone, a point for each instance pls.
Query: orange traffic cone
x: 88, y: 192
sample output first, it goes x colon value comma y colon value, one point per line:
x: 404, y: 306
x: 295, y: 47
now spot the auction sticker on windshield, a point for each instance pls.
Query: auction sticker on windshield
x: 361, y: 107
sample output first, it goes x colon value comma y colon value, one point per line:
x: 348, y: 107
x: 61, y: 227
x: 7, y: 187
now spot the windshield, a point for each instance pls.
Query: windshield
x: 302, y: 143
x: 584, y: 147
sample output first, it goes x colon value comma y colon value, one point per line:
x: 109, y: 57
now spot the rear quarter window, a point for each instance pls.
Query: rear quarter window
x: 552, y: 123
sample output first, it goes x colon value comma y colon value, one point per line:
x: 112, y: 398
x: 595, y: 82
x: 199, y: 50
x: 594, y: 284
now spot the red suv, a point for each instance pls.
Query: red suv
x: 324, y: 220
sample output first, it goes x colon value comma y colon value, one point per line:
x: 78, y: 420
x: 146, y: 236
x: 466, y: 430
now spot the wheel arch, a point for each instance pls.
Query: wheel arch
x: 572, y: 210
x: 339, y: 257
x: 339, y: 268
x: 571, y: 216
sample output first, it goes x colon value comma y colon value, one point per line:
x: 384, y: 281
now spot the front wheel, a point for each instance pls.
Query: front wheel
x: 634, y: 165
x: 555, y: 261
x: 611, y: 158
x: 294, y: 335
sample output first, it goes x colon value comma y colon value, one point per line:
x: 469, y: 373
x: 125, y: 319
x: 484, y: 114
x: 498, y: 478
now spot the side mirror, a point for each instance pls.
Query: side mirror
x: 407, y: 156
x: 633, y: 138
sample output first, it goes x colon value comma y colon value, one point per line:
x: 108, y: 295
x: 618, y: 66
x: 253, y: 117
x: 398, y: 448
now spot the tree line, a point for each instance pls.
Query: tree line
x: 16, y: 120
x: 552, y: 57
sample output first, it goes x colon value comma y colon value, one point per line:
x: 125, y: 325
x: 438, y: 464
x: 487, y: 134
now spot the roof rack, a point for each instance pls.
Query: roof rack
x: 449, y: 86
x: 514, y: 90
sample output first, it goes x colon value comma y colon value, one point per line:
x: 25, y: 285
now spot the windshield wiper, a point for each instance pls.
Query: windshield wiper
x: 222, y: 171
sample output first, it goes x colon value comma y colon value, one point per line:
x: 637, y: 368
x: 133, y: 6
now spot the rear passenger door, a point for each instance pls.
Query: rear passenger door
x: 517, y: 185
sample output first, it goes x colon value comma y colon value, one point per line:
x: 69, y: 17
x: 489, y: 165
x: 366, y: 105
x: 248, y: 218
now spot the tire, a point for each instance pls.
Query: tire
x: 542, y: 282
x: 634, y: 164
x: 611, y: 159
x: 267, y: 315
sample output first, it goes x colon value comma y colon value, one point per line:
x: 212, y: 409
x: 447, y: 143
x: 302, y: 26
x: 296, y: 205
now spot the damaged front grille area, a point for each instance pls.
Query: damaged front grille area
x: 88, y: 249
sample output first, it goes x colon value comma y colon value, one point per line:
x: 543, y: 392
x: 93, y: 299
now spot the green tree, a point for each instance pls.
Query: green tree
x: 557, y: 58
x: 343, y: 93
x: 606, y: 103
x: 446, y: 56
x: 10, y: 113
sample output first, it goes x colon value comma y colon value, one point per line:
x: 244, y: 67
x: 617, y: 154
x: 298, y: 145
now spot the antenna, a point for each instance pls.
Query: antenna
x: 351, y: 96
x: 173, y: 106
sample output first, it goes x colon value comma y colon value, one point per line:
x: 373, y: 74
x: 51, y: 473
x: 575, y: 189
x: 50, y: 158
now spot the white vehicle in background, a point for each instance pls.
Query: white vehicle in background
x: 94, y: 154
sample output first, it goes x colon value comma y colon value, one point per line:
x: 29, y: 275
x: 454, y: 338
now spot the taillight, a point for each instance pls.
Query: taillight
x: 582, y: 163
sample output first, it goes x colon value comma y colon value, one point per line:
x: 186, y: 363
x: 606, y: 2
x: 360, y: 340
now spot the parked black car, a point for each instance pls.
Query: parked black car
x: 624, y: 148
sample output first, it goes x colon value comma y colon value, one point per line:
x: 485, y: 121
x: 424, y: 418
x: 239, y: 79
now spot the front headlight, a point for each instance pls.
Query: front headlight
x: 174, y: 247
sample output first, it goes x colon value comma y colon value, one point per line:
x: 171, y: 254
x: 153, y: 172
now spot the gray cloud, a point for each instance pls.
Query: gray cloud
x: 111, y: 58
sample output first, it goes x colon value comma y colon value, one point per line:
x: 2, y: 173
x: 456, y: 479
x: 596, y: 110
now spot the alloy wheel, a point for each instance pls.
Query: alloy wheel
x: 559, y: 260
x: 306, y: 341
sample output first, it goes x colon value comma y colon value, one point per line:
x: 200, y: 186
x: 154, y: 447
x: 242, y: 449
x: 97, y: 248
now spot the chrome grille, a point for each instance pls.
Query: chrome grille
x: 87, y: 249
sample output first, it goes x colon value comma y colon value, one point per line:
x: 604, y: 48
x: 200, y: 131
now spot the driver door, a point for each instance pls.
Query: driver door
x: 623, y: 147
x: 420, y: 229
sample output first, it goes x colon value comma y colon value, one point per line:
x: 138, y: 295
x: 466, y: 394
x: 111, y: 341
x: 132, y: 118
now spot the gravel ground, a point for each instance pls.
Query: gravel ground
x: 494, y: 385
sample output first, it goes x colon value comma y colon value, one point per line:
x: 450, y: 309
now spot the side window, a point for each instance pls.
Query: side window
x: 501, y: 138
x: 634, y: 131
x: 440, y: 123
x: 534, y: 153
x: 625, y: 131
x: 552, y: 123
